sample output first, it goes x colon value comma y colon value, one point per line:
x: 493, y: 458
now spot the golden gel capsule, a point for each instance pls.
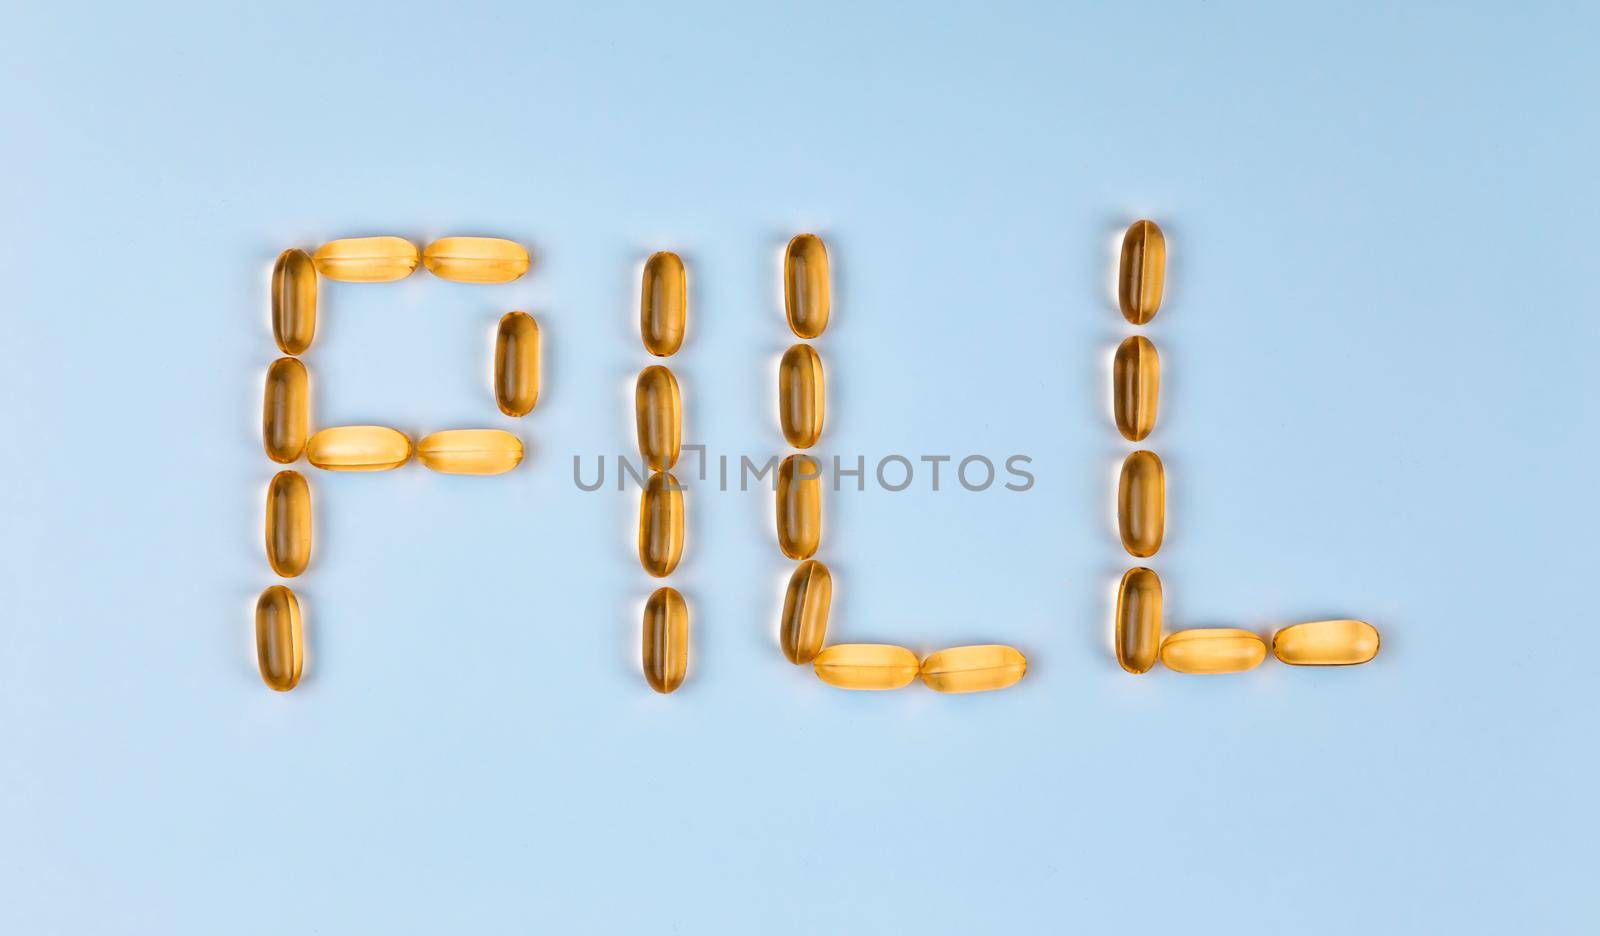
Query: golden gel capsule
x: 805, y: 285
x: 516, y: 364
x: 470, y: 451
x: 286, y: 410
x: 1135, y: 387
x: 663, y: 304
x: 800, y: 396
x: 1142, y: 504
x: 1138, y: 620
x: 866, y: 666
x: 661, y: 525
x: 804, y: 624
x: 666, y: 639
x: 476, y: 259
x: 1212, y: 650
x: 1326, y: 643
x: 288, y: 523
x: 1143, y: 272
x: 658, y: 413
x: 366, y: 259
x: 359, y: 448
x: 280, y: 642
x: 294, y: 301
x: 973, y: 669
x: 799, y: 506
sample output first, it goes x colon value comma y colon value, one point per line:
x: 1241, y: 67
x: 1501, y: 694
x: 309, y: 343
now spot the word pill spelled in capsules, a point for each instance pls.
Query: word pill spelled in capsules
x: 286, y: 410
x: 658, y: 412
x: 1142, y: 274
x: 666, y: 639
x: 806, y: 294
x: 470, y: 451
x: 1142, y: 504
x: 804, y: 624
x: 661, y: 525
x: 1212, y: 650
x: 280, y: 641
x: 288, y: 523
x: 1135, y: 387
x: 800, y: 396
x: 476, y: 259
x: 367, y: 259
x: 663, y: 304
x: 866, y: 666
x: 973, y: 669
x: 516, y: 364
x: 1327, y: 643
x: 294, y: 301
x: 359, y: 448
x: 799, y: 506
x: 1138, y: 622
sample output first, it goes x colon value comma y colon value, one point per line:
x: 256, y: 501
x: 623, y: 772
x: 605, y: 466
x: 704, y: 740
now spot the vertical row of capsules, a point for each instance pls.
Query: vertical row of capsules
x: 286, y: 419
x: 658, y: 414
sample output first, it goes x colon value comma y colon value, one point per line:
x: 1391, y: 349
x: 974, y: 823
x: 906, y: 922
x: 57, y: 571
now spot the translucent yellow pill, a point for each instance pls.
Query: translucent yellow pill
x: 1212, y: 650
x: 1142, y: 504
x: 280, y: 641
x: 663, y: 304
x: 1135, y: 387
x: 800, y: 396
x: 866, y: 666
x: 1326, y: 643
x: 666, y: 639
x: 470, y: 451
x: 1138, y: 620
x: 661, y: 525
x: 973, y: 669
x: 658, y: 414
x: 516, y: 364
x: 476, y: 259
x: 799, y: 506
x: 286, y: 410
x: 804, y: 624
x: 359, y: 448
x: 294, y: 301
x: 367, y: 259
x: 806, y: 296
x: 288, y: 523
x: 1143, y: 272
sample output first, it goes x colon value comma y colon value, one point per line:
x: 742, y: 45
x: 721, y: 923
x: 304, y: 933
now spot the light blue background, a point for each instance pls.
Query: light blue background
x: 1379, y: 401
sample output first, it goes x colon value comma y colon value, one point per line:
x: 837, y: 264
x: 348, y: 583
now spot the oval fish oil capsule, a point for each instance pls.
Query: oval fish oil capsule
x: 1138, y: 620
x: 286, y: 410
x: 476, y: 259
x: 1135, y: 387
x: 516, y: 364
x: 280, y: 641
x: 800, y: 396
x: 1326, y: 643
x: 661, y: 524
x: 294, y: 301
x: 359, y: 448
x: 666, y: 640
x: 804, y: 624
x: 973, y: 669
x: 663, y: 304
x: 288, y: 523
x: 658, y: 413
x: 866, y: 666
x: 1212, y: 650
x: 470, y: 451
x: 1141, y: 277
x: 799, y: 506
x: 1142, y: 504
x: 366, y: 259
x: 806, y: 294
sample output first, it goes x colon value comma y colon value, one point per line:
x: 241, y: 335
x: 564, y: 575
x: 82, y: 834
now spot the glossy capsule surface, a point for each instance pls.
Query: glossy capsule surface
x: 666, y: 639
x: 800, y: 396
x: 806, y: 293
x: 1142, y: 504
x: 294, y: 301
x: 663, y: 304
x: 470, y: 451
x: 1135, y: 387
x: 280, y: 640
x: 1212, y: 650
x: 476, y: 259
x: 1326, y: 643
x: 367, y: 259
x: 516, y: 364
x: 973, y: 669
x: 1142, y: 275
x: 658, y: 415
x: 799, y: 506
x: 1138, y: 621
x: 288, y: 523
x: 661, y: 524
x: 359, y: 448
x: 866, y: 666
x: 286, y: 410
x: 804, y: 624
